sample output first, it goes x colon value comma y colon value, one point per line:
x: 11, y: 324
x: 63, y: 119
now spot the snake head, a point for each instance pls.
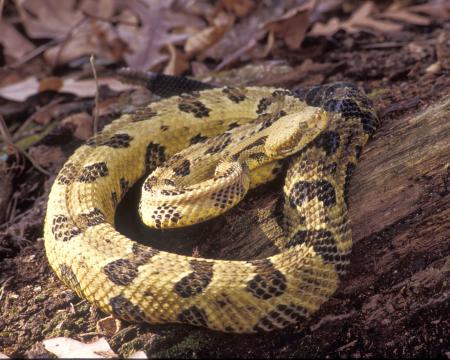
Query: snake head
x: 292, y: 132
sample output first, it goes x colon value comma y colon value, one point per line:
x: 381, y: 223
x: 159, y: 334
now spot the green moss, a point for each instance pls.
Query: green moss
x: 131, y: 347
x: 186, y: 348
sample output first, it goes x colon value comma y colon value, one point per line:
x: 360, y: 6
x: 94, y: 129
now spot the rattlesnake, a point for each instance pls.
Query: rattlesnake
x: 236, y: 139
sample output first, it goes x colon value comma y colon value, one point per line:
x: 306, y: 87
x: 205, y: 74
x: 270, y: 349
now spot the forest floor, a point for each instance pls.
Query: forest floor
x: 395, y: 300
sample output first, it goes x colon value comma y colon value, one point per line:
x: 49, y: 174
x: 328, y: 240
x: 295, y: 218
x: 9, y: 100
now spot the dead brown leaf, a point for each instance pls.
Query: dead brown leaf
x: 406, y: 16
x: 87, y: 87
x: 443, y: 49
x: 284, y: 19
x: 48, y: 18
x: 147, y: 40
x: 309, y: 72
x: 42, y: 115
x: 361, y: 20
x: 77, y: 34
x: 90, y: 37
x: 69, y: 348
x: 20, y: 90
x: 203, y: 39
x: 244, y: 35
x: 46, y: 155
x: 326, y: 29
x: 291, y: 27
x: 108, y: 326
x: 81, y: 123
x: 14, y: 43
x: 99, y: 8
x: 240, y: 8
x: 437, y: 10
x: 52, y: 83
x: 178, y: 62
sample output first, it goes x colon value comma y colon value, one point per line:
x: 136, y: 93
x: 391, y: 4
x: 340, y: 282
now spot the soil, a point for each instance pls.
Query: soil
x: 395, y: 300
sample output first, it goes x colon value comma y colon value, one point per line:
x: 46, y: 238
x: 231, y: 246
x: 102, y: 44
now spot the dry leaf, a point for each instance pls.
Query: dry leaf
x: 52, y: 83
x: 209, y: 36
x: 69, y: 348
x: 87, y: 88
x: 438, y: 10
x: 291, y: 26
x: 236, y: 41
x: 203, y: 39
x: 199, y: 68
x: 79, y: 35
x: 147, y: 41
x: 14, y: 43
x: 443, y: 49
x: 48, y: 18
x: 360, y: 20
x: 101, y: 8
x: 81, y: 123
x: 328, y: 29
x: 302, y: 73
x: 45, y: 156
x: 44, y: 115
x: 405, y: 16
x: 92, y: 37
x: 239, y: 7
x: 434, y: 68
x: 108, y: 326
x: 178, y: 62
x: 21, y: 90
x: 138, y: 355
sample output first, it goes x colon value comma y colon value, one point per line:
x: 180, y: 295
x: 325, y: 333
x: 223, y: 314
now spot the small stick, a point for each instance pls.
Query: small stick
x: 22, y: 127
x: 2, y: 3
x: 96, y: 108
x: 4, y: 132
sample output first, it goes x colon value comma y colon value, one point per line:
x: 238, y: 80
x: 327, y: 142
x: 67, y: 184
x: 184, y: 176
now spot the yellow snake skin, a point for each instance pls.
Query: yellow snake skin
x: 203, y: 151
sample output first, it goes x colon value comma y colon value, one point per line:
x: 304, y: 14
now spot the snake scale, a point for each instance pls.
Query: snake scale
x: 203, y: 150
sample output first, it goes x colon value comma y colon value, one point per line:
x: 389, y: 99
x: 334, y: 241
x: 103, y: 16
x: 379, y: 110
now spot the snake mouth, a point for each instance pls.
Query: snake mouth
x: 289, y: 147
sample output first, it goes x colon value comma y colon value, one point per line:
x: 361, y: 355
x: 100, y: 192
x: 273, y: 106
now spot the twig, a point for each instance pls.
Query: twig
x: 2, y: 3
x: 4, y: 132
x: 109, y: 20
x: 34, y: 53
x: 331, y: 318
x: 33, y: 116
x: 4, y: 284
x: 96, y: 108
x: 16, y: 219
x: 12, y: 207
x: 67, y: 38
x: 230, y: 59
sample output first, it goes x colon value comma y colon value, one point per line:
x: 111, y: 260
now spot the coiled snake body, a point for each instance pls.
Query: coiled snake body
x: 236, y: 139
